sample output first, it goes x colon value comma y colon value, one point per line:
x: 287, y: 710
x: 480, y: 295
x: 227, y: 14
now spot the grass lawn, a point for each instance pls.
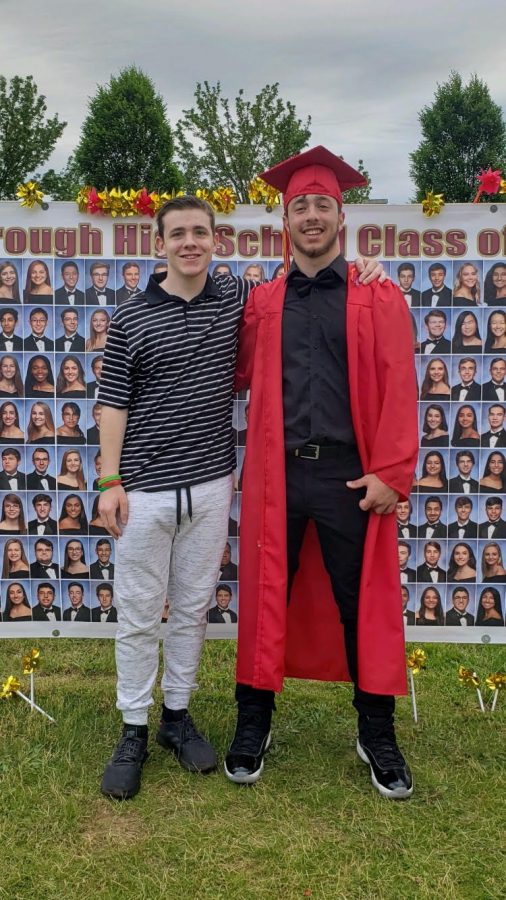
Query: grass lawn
x: 312, y: 827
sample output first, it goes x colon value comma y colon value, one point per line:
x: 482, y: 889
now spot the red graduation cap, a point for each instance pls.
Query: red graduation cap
x: 316, y: 171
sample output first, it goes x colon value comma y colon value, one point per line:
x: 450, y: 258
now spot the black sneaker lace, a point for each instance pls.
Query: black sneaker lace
x: 252, y: 727
x: 129, y: 750
x: 189, y: 732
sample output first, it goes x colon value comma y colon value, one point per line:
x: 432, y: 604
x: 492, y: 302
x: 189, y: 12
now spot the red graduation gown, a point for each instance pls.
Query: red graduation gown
x: 305, y: 639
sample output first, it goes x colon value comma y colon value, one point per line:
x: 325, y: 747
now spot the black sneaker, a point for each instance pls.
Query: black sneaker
x: 377, y: 746
x: 244, y: 762
x: 192, y: 750
x: 122, y: 775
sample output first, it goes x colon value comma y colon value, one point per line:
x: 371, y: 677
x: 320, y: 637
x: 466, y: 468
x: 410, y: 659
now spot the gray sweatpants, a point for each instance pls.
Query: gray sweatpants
x: 154, y: 561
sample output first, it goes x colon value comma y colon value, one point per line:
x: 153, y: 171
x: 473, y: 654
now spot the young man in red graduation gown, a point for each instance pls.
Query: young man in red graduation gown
x: 331, y: 447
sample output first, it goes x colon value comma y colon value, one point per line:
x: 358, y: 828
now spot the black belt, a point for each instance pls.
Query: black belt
x: 319, y: 451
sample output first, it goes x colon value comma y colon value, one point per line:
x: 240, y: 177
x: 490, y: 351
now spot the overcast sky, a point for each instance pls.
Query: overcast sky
x: 362, y: 70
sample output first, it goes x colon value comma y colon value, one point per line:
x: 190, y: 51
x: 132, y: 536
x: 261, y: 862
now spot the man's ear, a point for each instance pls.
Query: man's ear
x: 159, y: 246
x: 341, y: 220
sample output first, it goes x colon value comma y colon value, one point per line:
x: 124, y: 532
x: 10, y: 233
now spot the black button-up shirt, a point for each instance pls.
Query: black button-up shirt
x: 316, y: 401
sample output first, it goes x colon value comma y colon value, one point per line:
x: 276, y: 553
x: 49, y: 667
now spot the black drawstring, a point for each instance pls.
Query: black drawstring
x: 179, y: 505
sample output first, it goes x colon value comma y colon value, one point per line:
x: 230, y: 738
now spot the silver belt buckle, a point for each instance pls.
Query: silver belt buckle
x: 302, y: 455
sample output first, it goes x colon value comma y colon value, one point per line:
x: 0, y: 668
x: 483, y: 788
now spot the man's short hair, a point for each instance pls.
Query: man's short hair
x: 497, y: 359
x: 40, y: 450
x: 11, y: 451
x: 45, y: 584
x: 67, y: 310
x: 130, y: 265
x: 437, y: 313
x: 461, y: 588
x: 103, y: 542
x: 493, y: 501
x: 104, y: 587
x: 406, y: 266
x: 435, y: 266
x: 70, y: 264
x: 9, y: 311
x: 186, y: 202
x: 38, y: 311
x: 45, y: 542
x: 41, y: 498
x: 462, y: 453
x: 95, y: 360
x: 224, y: 587
x: 405, y: 544
x: 72, y: 584
x: 497, y: 406
x: 467, y: 359
x: 435, y: 544
x: 463, y: 501
x: 99, y: 265
x: 434, y: 500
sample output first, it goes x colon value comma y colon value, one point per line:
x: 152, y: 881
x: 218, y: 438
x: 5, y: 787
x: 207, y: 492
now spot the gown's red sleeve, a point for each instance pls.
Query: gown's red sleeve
x: 246, y: 347
x: 395, y: 447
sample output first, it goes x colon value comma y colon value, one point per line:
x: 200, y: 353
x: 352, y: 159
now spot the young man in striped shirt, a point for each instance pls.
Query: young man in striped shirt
x: 166, y: 426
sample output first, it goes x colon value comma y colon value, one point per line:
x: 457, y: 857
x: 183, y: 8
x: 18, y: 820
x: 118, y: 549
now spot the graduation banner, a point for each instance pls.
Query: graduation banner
x: 63, y: 273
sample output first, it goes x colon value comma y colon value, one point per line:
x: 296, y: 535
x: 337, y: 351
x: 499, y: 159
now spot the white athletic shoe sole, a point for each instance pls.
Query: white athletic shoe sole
x: 397, y: 794
x: 243, y: 777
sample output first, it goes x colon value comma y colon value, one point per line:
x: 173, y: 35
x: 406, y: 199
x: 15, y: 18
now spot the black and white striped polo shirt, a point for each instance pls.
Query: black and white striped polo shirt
x: 172, y: 363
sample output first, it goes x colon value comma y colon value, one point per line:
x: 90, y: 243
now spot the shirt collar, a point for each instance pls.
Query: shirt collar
x: 338, y: 265
x: 155, y: 294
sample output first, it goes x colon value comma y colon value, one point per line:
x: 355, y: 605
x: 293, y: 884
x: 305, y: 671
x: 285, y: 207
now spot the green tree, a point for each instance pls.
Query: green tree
x: 126, y: 140
x: 27, y: 137
x: 220, y: 146
x: 463, y: 132
x: 62, y: 185
x: 361, y: 194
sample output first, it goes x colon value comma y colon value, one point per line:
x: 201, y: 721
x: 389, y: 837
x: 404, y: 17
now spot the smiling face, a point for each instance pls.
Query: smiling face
x: 39, y: 370
x: 498, y: 371
x: 38, y: 322
x: 469, y: 326
x: 8, y: 368
x: 40, y: 460
x: 45, y: 596
x: 8, y: 277
x: 100, y: 321
x: 42, y: 508
x: 403, y: 510
x: 105, y: 597
x: 435, y: 326
x: 461, y: 555
x: 314, y: 222
x: 460, y: 600
x: 491, y: 555
x: 188, y: 242
x: 8, y: 322
x: 73, y: 463
x: 493, y: 511
x: 38, y: 415
x: 496, y: 417
x: 12, y: 509
x: 496, y: 464
x: 432, y: 555
x: 464, y: 465
x: 433, y: 465
x: 75, y: 595
x: 15, y: 594
x: 70, y: 371
x: 432, y: 511
x: 70, y: 321
x: 131, y: 277
x: 499, y: 278
x: 433, y: 418
x: 70, y: 417
x: 430, y: 599
x: 14, y: 552
x: 223, y: 599
x: 99, y: 277
x: 70, y: 276
x: 465, y: 417
x: 469, y: 276
x: 43, y: 554
x: 403, y: 554
x: 436, y: 371
x: 104, y: 554
x: 498, y: 324
x: 74, y: 551
x: 38, y: 274
x: 9, y: 414
x: 487, y: 600
x: 467, y: 371
x: 73, y: 507
x: 437, y: 278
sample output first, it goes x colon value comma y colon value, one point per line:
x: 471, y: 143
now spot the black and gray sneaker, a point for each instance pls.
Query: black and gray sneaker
x: 191, y: 749
x: 122, y: 774
x: 244, y: 762
x: 377, y: 746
